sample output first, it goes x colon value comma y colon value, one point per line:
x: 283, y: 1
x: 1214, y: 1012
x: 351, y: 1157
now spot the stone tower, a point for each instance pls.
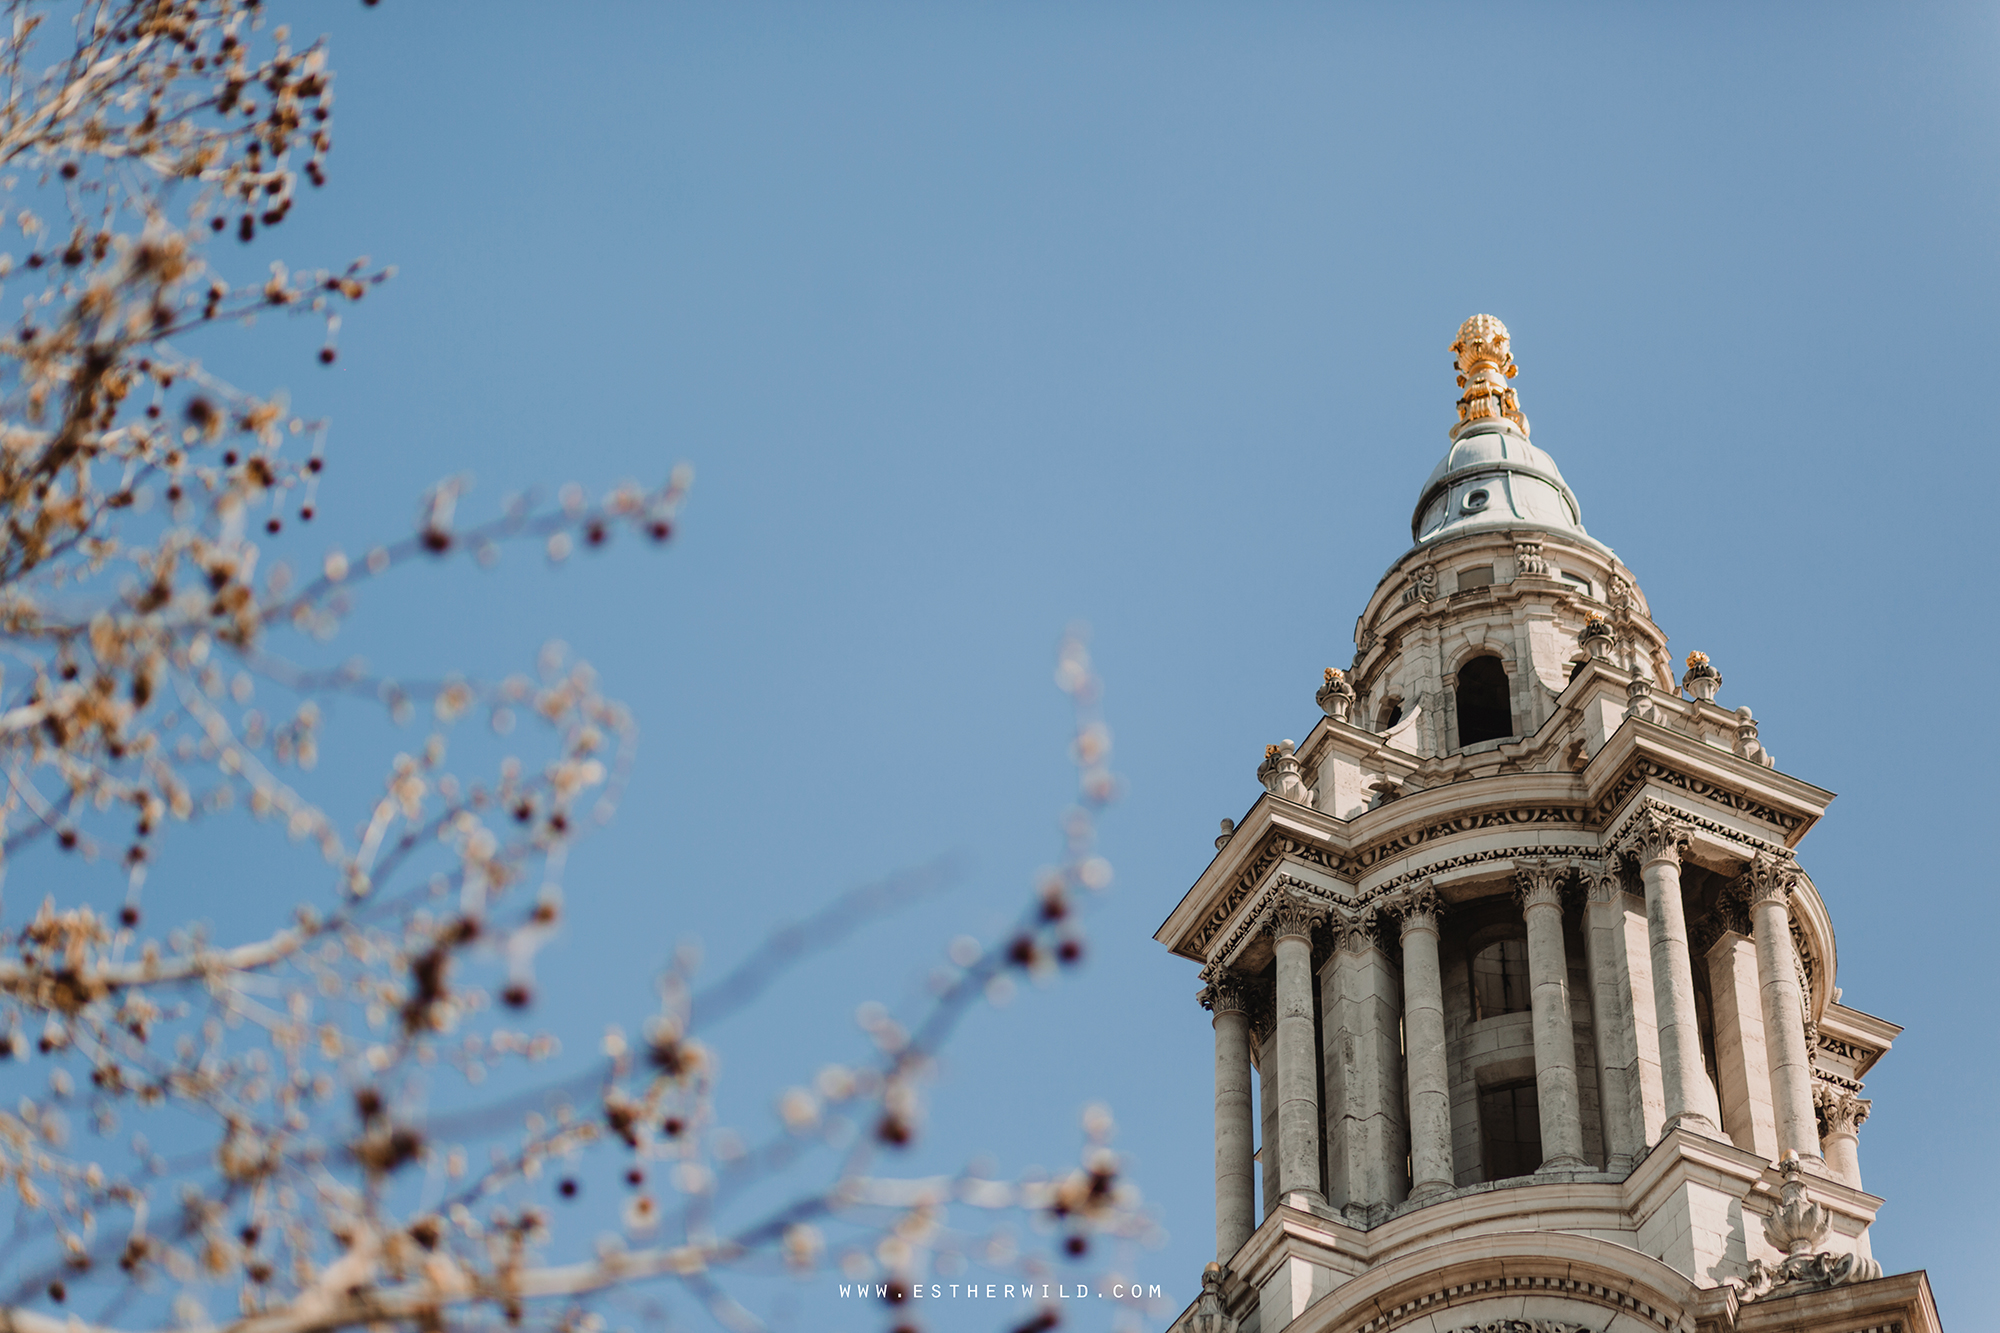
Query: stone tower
x: 1526, y: 1017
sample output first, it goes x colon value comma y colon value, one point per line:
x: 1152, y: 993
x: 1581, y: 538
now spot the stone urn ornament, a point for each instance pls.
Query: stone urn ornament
x: 1702, y: 680
x: 1336, y: 696
x: 1597, y: 637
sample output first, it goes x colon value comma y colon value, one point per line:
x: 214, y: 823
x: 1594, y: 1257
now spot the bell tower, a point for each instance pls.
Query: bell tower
x: 1525, y: 1010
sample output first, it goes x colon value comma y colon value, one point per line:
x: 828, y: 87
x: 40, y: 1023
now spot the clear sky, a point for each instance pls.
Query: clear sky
x: 975, y: 319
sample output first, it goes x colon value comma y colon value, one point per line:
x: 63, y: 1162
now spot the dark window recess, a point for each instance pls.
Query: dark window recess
x: 1481, y: 577
x: 1500, y: 979
x: 1391, y: 715
x: 1510, y: 1130
x: 1483, y: 710
x: 1704, y: 1025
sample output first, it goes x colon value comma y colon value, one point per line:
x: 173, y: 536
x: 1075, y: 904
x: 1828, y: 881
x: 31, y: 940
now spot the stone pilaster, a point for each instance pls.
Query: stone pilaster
x: 1621, y: 1009
x: 1290, y: 924
x: 1742, y: 1063
x: 1368, y: 1140
x: 1655, y: 842
x: 1235, y: 1132
x: 1431, y: 1166
x: 1540, y: 885
x: 1768, y: 884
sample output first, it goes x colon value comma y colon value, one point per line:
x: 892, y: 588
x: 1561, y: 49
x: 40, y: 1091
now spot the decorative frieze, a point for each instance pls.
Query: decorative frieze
x: 1472, y: 823
x: 1647, y: 770
x: 1275, y: 847
x: 1528, y: 558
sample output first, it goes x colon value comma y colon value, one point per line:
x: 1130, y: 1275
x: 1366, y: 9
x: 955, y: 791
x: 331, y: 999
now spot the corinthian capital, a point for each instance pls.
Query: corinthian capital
x: 1537, y: 883
x: 1655, y: 836
x: 1226, y: 994
x: 1359, y: 934
x: 1419, y: 907
x: 1769, y: 879
x: 1840, y: 1111
x: 1292, y: 915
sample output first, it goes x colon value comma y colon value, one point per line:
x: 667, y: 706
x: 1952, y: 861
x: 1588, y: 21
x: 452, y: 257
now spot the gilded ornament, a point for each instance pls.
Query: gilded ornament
x: 1485, y: 364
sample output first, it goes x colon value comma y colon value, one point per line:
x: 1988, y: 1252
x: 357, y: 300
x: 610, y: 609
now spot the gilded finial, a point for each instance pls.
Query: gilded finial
x: 1333, y: 674
x: 1697, y: 659
x: 1270, y: 752
x: 1485, y: 364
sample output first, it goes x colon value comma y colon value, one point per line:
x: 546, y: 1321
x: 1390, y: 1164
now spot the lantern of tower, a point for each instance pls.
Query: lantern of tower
x: 1525, y: 1008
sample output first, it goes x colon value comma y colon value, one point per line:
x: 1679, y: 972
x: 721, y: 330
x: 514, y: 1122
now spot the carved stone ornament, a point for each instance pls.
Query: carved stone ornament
x: 1798, y: 1227
x: 1768, y: 878
x: 1597, y: 637
x: 1528, y: 558
x: 1226, y: 994
x: 1840, y: 1111
x: 1281, y: 775
x: 1208, y: 1316
x: 1336, y: 696
x: 1639, y: 698
x: 1524, y: 1326
x: 1540, y: 882
x: 1655, y: 836
x: 1423, y: 585
x: 1292, y: 915
x: 1702, y: 679
x: 1359, y: 934
x: 1747, y: 744
x: 1601, y: 880
x: 1419, y: 907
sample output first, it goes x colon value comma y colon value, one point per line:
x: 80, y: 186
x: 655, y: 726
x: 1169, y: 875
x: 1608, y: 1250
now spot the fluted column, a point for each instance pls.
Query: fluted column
x: 1655, y: 842
x: 1768, y: 884
x: 1540, y: 886
x: 1235, y: 1133
x: 1841, y: 1117
x: 1431, y: 1167
x: 1290, y: 925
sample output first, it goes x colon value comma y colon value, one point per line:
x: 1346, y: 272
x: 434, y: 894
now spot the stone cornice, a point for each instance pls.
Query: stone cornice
x: 1582, y: 813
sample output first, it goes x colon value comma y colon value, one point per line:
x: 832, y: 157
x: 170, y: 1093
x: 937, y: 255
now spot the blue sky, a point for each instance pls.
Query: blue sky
x: 977, y: 319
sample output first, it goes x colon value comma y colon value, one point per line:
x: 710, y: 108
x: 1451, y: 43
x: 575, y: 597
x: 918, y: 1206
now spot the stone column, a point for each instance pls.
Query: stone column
x: 1431, y: 1168
x: 1613, y: 1021
x: 1841, y: 1116
x: 1540, y: 886
x: 1768, y: 884
x: 1290, y: 925
x: 1235, y: 1134
x: 1655, y: 842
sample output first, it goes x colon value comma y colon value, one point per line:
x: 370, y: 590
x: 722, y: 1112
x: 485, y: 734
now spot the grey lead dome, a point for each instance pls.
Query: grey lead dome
x: 1493, y: 478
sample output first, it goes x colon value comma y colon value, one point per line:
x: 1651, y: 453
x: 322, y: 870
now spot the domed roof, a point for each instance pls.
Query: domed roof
x: 1491, y: 477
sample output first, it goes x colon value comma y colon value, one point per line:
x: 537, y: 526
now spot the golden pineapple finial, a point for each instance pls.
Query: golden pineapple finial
x: 1485, y: 364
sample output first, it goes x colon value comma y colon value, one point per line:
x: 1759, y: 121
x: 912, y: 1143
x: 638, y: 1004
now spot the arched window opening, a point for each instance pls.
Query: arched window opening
x: 1500, y: 979
x: 1392, y: 713
x: 1483, y: 710
x: 1510, y: 1130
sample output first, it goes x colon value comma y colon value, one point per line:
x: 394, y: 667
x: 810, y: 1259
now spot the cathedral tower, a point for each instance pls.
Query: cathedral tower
x: 1526, y: 1017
